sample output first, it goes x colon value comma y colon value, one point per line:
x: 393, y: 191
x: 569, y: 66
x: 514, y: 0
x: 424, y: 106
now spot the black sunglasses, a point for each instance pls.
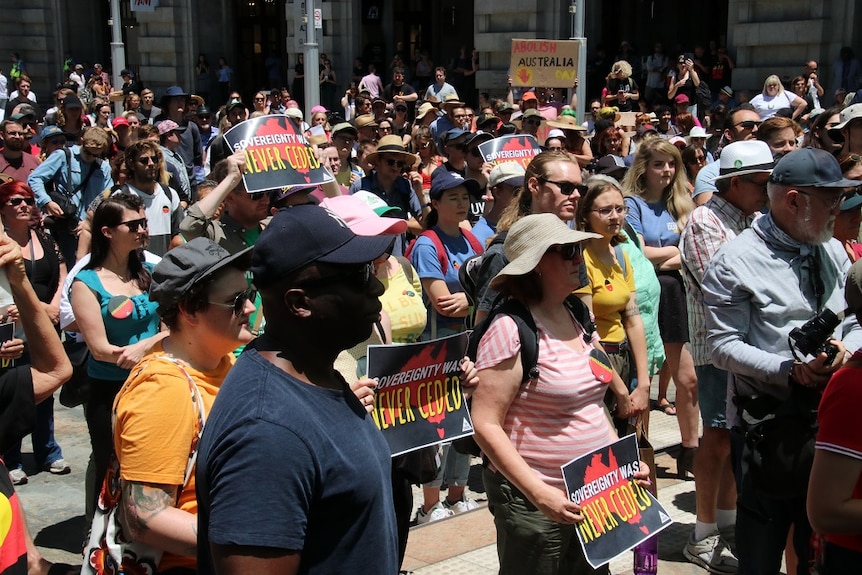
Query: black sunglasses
x: 257, y: 196
x: 391, y: 163
x: 239, y: 301
x: 532, y: 121
x: 17, y: 201
x: 566, y: 188
x: 570, y: 252
x: 134, y: 225
x: 354, y: 276
x: 748, y: 124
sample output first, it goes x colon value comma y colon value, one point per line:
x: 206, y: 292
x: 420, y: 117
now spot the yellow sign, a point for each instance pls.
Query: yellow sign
x: 545, y: 63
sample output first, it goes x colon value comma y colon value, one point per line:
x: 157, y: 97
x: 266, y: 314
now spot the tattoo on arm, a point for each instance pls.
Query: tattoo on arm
x: 144, y: 501
x: 631, y: 310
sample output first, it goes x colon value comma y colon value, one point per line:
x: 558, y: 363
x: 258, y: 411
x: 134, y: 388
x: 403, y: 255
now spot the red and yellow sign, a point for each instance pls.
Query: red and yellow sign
x: 546, y: 63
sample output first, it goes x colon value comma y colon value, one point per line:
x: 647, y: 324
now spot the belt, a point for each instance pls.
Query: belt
x: 616, y: 347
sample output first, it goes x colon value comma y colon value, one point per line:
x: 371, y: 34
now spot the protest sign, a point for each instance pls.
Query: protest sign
x: 418, y: 400
x: 512, y: 148
x: 618, y: 513
x: 277, y: 154
x: 546, y: 63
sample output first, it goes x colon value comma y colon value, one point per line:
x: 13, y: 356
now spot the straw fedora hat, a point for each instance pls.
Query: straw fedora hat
x: 393, y: 145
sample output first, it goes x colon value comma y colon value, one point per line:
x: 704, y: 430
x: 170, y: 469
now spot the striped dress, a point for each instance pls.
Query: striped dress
x: 558, y: 417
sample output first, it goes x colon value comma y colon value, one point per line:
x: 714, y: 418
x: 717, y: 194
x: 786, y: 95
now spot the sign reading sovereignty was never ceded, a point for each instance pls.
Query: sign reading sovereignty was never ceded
x: 277, y: 154
x: 618, y: 512
x: 418, y: 401
x: 546, y: 63
x: 521, y: 148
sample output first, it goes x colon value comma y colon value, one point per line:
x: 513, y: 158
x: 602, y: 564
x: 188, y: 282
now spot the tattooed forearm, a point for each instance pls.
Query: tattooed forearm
x: 145, y: 501
x: 631, y: 310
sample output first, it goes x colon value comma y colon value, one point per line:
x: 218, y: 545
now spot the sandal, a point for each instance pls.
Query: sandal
x: 667, y: 407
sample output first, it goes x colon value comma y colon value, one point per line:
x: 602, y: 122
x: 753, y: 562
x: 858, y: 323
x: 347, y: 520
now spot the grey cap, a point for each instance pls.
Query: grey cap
x: 810, y: 168
x: 189, y: 264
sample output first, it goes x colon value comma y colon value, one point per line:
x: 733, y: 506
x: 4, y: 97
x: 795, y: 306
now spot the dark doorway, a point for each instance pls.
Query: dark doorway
x: 261, y: 29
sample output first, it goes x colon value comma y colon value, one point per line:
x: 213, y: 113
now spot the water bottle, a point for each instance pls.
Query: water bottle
x: 646, y: 557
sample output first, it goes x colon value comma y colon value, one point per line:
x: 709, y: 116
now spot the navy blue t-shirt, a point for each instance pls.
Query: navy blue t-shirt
x: 293, y: 466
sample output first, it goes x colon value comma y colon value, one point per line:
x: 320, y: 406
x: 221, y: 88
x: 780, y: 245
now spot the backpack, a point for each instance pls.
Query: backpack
x: 468, y: 275
x: 441, y: 250
x: 528, y: 334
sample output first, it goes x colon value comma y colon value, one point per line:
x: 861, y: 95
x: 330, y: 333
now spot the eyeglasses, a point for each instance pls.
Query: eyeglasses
x: 384, y: 129
x: 16, y: 134
x: 392, y: 163
x: 566, y: 188
x: 260, y: 99
x: 256, y: 196
x: 425, y: 145
x: 147, y: 160
x: 355, y: 276
x: 749, y: 124
x: 239, y: 300
x: 17, y: 201
x: 532, y: 122
x: 135, y: 225
x: 831, y: 202
x: 606, y: 212
x: 570, y: 252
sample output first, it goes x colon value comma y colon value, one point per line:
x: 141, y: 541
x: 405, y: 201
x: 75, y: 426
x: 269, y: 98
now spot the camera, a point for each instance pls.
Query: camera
x: 813, y: 337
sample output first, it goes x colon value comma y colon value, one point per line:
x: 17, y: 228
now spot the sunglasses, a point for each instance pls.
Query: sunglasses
x: 355, y: 276
x: 392, y: 163
x: 147, y: 160
x: 238, y: 304
x: 425, y: 146
x: 18, y: 201
x: 135, y: 225
x: 532, y: 122
x: 257, y: 196
x: 749, y: 124
x: 566, y: 188
x: 259, y: 99
x: 606, y: 212
x: 570, y: 252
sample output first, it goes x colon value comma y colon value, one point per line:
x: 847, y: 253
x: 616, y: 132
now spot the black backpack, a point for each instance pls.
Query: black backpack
x: 528, y: 334
x: 468, y: 276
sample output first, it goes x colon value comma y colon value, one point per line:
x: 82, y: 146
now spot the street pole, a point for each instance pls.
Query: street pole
x: 312, y: 81
x: 118, y: 53
x: 578, y: 33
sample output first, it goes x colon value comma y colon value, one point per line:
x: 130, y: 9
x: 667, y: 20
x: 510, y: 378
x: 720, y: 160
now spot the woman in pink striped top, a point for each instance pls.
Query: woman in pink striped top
x: 529, y: 430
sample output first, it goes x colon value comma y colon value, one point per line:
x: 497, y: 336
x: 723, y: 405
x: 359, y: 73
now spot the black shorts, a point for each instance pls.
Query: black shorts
x: 672, y: 311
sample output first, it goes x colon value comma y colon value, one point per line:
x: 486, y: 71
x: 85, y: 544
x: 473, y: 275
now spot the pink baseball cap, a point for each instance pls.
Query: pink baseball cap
x: 360, y: 215
x: 317, y: 109
x: 681, y: 99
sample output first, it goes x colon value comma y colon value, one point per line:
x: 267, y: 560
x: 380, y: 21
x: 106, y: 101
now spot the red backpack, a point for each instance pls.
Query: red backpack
x: 441, y: 249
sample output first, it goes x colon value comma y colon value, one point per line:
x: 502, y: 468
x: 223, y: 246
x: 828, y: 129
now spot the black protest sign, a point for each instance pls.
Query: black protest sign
x: 618, y: 513
x: 277, y: 154
x: 520, y: 148
x: 418, y: 401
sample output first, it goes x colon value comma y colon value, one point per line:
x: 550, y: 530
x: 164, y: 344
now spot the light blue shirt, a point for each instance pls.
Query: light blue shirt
x: 704, y: 181
x: 54, y: 169
x: 484, y: 230
x: 756, y: 290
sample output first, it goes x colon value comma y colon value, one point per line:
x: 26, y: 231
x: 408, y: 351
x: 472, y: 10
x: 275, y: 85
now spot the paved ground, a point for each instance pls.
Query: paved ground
x: 462, y: 544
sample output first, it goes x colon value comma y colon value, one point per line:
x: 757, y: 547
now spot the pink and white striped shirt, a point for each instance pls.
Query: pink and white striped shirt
x: 558, y: 417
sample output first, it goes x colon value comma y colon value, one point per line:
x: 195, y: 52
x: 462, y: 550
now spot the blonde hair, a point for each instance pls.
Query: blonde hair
x: 621, y: 66
x: 773, y: 79
x: 675, y: 196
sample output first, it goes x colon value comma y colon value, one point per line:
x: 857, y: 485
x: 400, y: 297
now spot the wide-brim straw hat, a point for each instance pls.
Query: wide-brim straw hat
x: 392, y: 144
x: 530, y: 237
x: 566, y: 123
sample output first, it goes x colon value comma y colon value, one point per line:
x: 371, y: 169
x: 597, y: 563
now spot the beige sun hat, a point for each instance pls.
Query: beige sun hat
x: 393, y: 144
x: 530, y: 237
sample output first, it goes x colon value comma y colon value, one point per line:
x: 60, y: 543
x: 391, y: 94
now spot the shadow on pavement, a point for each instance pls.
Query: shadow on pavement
x: 67, y: 535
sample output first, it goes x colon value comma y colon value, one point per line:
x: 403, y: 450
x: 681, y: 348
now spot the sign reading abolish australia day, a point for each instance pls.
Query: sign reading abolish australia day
x: 546, y: 63
x: 618, y: 512
x: 277, y: 154
x: 418, y: 401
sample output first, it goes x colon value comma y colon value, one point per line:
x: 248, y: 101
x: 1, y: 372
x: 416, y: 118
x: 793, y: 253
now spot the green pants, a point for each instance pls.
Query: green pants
x: 528, y: 543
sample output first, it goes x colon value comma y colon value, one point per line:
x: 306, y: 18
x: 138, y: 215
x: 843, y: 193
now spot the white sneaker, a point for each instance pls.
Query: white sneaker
x: 434, y: 514
x: 462, y: 506
x: 712, y: 554
x: 17, y: 476
x: 59, y: 467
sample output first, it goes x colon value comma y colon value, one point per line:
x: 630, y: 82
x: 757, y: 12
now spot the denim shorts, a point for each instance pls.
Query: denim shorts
x: 712, y: 395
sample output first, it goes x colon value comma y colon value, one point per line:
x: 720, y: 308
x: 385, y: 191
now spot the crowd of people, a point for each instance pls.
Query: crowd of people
x: 675, y: 236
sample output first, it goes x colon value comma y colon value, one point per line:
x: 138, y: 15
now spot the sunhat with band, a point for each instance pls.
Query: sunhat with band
x: 528, y: 240
x: 393, y: 145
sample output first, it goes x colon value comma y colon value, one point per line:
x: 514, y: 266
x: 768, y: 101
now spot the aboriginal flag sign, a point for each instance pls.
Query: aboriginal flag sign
x: 618, y: 513
x: 277, y: 154
x: 418, y: 401
x: 511, y: 148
